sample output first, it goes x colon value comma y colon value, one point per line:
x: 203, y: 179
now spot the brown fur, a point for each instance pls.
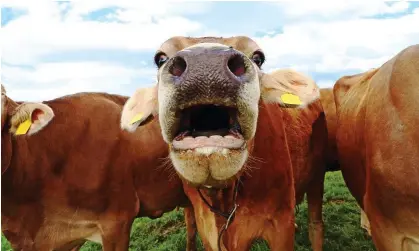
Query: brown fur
x: 240, y: 43
x: 83, y: 175
x: 287, y: 159
x: 377, y: 140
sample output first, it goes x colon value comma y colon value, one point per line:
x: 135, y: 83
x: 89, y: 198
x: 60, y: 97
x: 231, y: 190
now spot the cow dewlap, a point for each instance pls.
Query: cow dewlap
x: 23, y: 128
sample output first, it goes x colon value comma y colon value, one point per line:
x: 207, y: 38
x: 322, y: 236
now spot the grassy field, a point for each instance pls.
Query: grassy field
x: 340, y: 211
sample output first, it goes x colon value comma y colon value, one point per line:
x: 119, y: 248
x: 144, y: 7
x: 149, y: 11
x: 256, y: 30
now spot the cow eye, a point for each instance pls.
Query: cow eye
x: 160, y: 59
x: 259, y: 58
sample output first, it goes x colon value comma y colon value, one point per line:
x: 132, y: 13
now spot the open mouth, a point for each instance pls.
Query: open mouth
x: 208, y: 126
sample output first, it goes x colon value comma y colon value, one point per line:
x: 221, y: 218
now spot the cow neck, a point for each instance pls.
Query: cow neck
x: 221, y: 199
x: 269, y: 163
x: 222, y: 202
x: 6, y: 150
x: 270, y: 152
x: 6, y: 137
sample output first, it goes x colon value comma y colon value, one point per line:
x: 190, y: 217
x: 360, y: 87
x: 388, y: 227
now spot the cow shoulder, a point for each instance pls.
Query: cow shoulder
x: 356, y: 83
x: 403, y: 85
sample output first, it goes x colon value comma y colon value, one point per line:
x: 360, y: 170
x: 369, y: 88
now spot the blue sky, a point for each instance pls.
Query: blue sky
x: 50, y: 49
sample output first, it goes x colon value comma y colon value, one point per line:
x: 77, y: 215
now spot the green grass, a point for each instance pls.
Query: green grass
x: 340, y: 212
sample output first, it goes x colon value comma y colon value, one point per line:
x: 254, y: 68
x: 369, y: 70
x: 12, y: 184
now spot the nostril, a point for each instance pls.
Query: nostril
x: 178, y: 67
x: 236, y: 65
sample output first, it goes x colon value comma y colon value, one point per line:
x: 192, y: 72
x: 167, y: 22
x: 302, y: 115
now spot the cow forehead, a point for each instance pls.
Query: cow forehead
x: 241, y: 43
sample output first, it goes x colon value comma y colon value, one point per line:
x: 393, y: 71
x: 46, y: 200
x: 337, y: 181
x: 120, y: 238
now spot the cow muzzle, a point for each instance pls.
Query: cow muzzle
x: 208, y: 104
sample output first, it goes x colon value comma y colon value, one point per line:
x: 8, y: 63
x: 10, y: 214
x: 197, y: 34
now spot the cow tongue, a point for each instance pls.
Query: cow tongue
x: 228, y: 141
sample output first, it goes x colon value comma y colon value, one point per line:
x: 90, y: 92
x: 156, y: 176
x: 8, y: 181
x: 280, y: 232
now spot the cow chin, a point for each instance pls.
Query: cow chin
x: 209, y: 166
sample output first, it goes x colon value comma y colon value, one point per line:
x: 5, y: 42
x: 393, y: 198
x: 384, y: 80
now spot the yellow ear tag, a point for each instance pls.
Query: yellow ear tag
x: 136, y: 118
x: 23, y: 128
x: 290, y: 99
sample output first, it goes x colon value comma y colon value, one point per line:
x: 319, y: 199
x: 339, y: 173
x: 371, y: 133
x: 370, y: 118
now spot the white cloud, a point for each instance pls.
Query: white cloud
x: 43, y: 31
x: 355, y: 44
x: 325, y: 83
x: 50, y: 80
x: 306, y: 9
x: 318, y: 36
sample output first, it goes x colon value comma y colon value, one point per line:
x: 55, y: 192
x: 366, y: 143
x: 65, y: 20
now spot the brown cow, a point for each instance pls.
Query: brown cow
x: 81, y: 177
x: 232, y: 143
x: 378, y: 145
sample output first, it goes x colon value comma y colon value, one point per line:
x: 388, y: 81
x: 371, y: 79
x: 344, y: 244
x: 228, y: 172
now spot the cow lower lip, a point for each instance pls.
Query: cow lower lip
x: 228, y: 141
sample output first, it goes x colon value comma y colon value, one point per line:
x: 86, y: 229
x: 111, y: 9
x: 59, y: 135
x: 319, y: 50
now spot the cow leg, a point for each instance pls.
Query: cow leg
x: 191, y: 228
x: 280, y: 236
x: 116, y: 237
x: 315, y: 206
x: 77, y: 248
x: 387, y: 237
x: 365, y: 223
x: 74, y: 246
x: 243, y: 244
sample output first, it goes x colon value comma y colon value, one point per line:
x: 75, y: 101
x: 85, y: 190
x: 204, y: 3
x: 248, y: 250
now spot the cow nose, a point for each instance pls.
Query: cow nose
x: 223, y: 61
x: 208, y: 73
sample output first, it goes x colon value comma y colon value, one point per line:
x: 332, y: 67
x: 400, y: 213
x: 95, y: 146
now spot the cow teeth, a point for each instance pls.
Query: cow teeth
x: 201, y: 138
x: 216, y: 137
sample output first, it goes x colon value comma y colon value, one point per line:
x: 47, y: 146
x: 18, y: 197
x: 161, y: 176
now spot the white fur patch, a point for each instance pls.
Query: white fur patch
x: 365, y: 223
x: 207, y: 46
x: 198, y: 165
x: 96, y: 237
x: 208, y: 150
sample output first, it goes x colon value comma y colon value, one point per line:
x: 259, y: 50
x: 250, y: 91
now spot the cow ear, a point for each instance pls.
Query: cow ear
x: 139, y: 109
x: 30, y: 118
x: 288, y: 88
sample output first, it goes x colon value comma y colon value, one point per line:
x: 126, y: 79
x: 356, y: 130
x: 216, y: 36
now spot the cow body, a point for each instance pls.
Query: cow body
x: 377, y: 139
x: 82, y: 178
x: 225, y: 123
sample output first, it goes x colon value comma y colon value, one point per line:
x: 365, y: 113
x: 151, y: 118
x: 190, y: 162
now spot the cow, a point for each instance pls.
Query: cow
x: 247, y: 145
x: 70, y: 174
x: 378, y: 147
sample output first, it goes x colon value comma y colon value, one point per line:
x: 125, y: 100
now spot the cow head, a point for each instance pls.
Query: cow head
x: 207, y: 99
x: 20, y: 119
